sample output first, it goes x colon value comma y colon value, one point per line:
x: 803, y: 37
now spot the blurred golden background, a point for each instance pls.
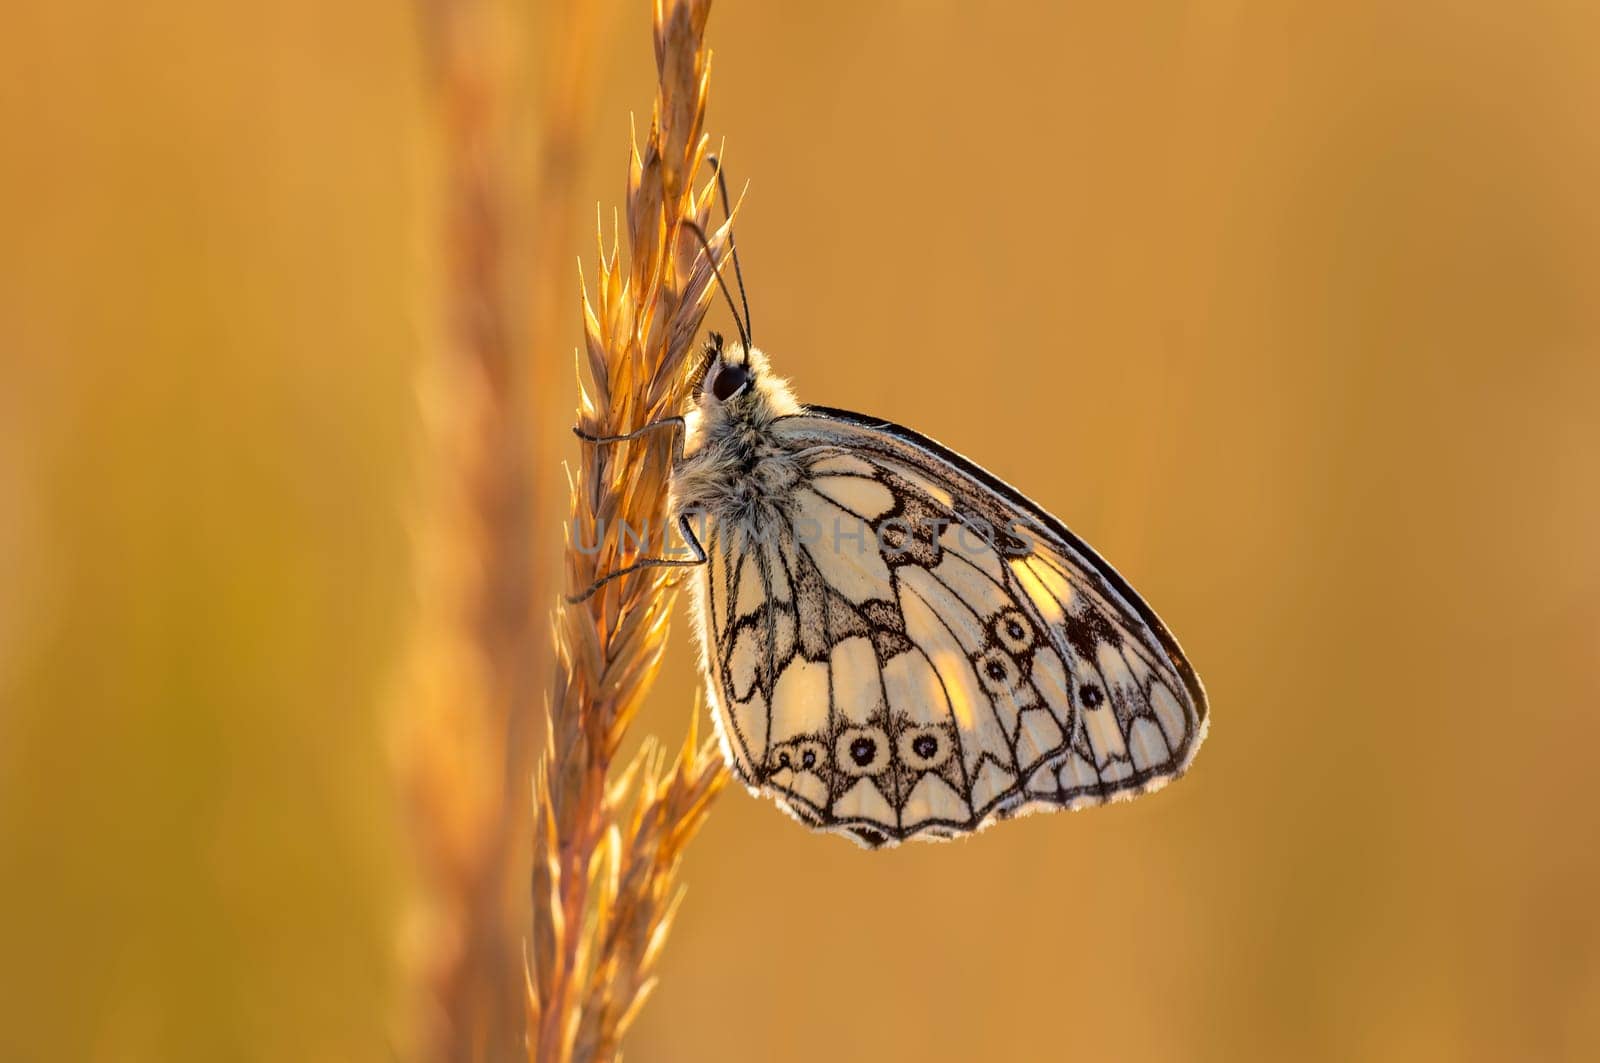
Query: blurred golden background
x: 1292, y: 310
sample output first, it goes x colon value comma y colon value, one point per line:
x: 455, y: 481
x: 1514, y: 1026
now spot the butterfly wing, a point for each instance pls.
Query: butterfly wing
x: 918, y: 649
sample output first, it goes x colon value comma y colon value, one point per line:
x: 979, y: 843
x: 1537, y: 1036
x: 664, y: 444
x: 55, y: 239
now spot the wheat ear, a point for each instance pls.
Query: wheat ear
x: 606, y: 850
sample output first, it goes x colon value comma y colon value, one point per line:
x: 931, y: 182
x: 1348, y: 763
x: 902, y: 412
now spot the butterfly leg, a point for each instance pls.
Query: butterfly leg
x: 689, y: 537
x: 675, y: 423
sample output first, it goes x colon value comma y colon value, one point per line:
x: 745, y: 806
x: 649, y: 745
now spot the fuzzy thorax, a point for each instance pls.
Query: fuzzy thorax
x: 734, y: 470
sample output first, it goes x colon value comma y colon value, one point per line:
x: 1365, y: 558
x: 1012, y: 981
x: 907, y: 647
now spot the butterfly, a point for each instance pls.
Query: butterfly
x: 897, y: 644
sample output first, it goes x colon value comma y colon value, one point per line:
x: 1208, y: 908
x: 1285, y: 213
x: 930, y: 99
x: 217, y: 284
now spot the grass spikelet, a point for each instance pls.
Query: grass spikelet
x: 607, y: 850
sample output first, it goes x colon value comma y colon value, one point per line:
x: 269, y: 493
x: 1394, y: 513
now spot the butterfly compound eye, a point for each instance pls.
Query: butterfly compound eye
x: 730, y: 381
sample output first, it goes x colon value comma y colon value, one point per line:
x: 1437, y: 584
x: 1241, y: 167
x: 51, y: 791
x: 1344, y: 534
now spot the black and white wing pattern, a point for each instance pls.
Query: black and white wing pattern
x: 917, y: 649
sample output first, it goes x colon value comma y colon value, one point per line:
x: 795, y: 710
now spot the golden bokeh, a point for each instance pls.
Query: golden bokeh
x: 1293, y: 311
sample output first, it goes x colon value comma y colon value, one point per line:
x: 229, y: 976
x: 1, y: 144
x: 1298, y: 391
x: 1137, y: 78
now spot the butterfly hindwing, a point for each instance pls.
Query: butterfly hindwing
x: 918, y: 650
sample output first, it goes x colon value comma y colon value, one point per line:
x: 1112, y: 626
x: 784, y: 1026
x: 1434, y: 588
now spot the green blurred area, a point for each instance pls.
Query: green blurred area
x: 1294, y: 312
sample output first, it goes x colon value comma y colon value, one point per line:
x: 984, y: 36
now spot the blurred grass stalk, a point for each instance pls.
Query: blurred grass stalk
x: 606, y: 850
x: 480, y: 664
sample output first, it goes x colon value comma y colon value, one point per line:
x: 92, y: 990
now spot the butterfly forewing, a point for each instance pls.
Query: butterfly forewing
x: 916, y: 649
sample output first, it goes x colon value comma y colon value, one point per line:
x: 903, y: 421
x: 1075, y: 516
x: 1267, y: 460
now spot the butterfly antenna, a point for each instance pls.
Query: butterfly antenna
x: 694, y: 227
x: 733, y: 247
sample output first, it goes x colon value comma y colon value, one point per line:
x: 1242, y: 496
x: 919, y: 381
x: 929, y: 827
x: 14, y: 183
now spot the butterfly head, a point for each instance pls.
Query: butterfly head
x: 734, y: 383
x: 726, y: 373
